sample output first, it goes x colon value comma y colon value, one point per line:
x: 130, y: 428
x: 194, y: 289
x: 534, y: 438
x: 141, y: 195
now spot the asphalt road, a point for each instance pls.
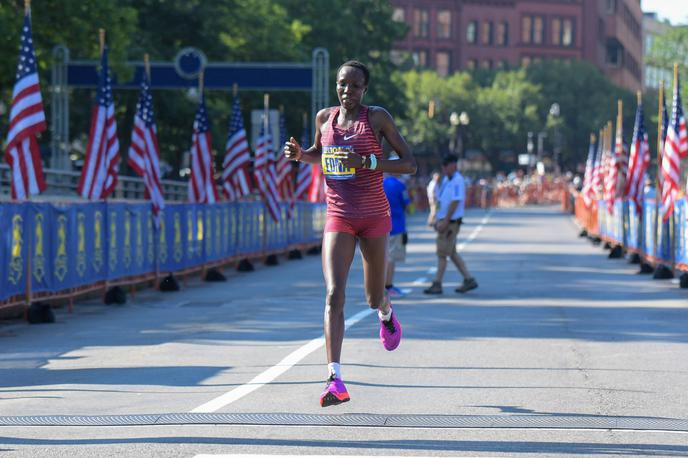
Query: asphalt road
x: 559, y: 352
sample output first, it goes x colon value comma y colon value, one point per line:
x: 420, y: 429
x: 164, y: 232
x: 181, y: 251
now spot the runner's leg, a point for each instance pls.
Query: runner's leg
x: 374, y: 253
x: 337, y: 255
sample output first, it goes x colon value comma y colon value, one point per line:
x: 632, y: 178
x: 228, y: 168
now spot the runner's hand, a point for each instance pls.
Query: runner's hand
x: 350, y: 159
x: 293, y: 150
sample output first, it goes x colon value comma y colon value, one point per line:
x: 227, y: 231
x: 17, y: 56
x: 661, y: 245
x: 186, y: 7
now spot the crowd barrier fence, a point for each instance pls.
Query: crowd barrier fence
x: 62, y: 250
x: 636, y: 232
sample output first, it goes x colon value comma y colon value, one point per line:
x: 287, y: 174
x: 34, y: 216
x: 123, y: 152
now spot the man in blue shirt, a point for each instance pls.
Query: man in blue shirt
x: 398, y: 198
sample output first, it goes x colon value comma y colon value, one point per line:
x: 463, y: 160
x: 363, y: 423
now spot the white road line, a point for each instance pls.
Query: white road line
x: 233, y: 455
x: 472, y: 236
x: 275, y: 371
x: 475, y: 231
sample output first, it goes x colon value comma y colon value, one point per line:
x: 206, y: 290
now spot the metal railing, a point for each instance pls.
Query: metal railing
x: 63, y: 183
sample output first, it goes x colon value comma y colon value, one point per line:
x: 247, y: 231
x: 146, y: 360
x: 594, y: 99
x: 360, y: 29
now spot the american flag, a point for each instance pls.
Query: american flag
x: 236, y: 182
x: 101, y: 164
x: 27, y: 120
x: 303, y: 177
x: 675, y: 149
x: 621, y: 153
x: 202, y: 187
x: 617, y: 168
x: 638, y: 162
x: 285, y: 175
x: 588, y: 196
x: 264, y: 177
x: 317, y: 191
x: 144, y: 154
x: 662, y: 138
x: 285, y: 170
x: 596, y: 181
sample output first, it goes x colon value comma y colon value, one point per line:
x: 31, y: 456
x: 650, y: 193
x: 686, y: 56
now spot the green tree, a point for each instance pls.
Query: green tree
x: 226, y: 31
x: 354, y: 29
x: 432, y: 135
x: 507, y: 110
x: 72, y: 22
x: 587, y: 100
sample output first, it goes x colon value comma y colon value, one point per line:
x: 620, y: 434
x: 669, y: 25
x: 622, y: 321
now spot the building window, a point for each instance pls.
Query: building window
x: 567, y: 33
x: 444, y: 24
x: 486, y: 64
x: 399, y: 15
x: 615, y: 52
x: 611, y: 6
x: 472, y: 32
x: 556, y: 31
x: 562, y: 32
x: 538, y: 30
x: 421, y: 23
x: 526, y: 29
x: 420, y: 58
x: 443, y: 62
x: 472, y: 64
x: 487, y: 33
x: 503, y: 34
x: 533, y: 30
x: 525, y: 61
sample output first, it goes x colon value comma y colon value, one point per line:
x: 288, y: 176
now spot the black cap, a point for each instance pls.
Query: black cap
x: 449, y: 159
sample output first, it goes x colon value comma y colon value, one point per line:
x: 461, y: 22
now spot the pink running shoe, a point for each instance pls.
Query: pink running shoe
x: 335, y: 392
x: 390, y: 332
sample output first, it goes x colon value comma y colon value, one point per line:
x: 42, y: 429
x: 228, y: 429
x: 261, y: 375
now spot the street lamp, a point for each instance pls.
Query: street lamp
x: 554, y: 111
x: 458, y: 123
x: 454, y: 122
x: 464, y: 120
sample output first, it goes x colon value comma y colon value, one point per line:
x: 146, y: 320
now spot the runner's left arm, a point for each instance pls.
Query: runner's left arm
x: 382, y: 122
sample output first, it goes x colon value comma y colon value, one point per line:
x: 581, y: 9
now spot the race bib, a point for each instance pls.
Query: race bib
x: 332, y: 166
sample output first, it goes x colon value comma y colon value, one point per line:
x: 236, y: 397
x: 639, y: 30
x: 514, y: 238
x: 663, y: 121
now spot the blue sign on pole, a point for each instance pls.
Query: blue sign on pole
x: 291, y: 77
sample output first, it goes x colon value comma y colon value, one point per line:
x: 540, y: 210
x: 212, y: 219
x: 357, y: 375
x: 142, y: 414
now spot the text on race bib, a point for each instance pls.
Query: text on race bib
x: 332, y: 166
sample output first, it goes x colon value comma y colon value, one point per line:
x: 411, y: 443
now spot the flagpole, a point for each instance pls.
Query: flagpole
x: 593, y: 140
x: 156, y: 220
x: 672, y: 227
x: 266, y: 126
x: 620, y: 183
x: 146, y: 65
x: 660, y: 122
x: 641, y: 218
x: 101, y: 38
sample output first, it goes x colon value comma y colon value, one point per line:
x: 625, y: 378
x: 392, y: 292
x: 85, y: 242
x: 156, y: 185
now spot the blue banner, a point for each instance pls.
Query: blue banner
x: 634, y: 241
x: 681, y: 232
x: 13, y: 250
x: 66, y: 246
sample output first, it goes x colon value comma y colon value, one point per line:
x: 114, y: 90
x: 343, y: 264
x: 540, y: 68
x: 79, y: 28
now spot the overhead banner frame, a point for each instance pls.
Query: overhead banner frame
x: 183, y: 73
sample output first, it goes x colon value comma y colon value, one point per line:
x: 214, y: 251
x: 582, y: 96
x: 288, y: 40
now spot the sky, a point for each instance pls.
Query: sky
x: 674, y: 10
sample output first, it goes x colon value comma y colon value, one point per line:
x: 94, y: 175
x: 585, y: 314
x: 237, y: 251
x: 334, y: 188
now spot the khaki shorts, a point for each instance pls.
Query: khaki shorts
x: 397, y: 249
x: 446, y: 241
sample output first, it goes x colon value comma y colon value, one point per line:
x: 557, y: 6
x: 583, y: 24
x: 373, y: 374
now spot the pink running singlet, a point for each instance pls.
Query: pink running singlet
x: 353, y: 195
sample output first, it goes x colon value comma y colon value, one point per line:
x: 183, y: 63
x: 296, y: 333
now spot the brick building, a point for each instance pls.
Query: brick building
x: 454, y: 35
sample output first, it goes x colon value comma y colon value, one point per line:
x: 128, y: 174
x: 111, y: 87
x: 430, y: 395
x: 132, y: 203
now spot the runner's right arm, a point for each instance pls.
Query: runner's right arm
x: 293, y: 150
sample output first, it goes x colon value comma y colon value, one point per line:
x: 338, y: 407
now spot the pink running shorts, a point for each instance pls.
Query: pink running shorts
x: 376, y: 226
